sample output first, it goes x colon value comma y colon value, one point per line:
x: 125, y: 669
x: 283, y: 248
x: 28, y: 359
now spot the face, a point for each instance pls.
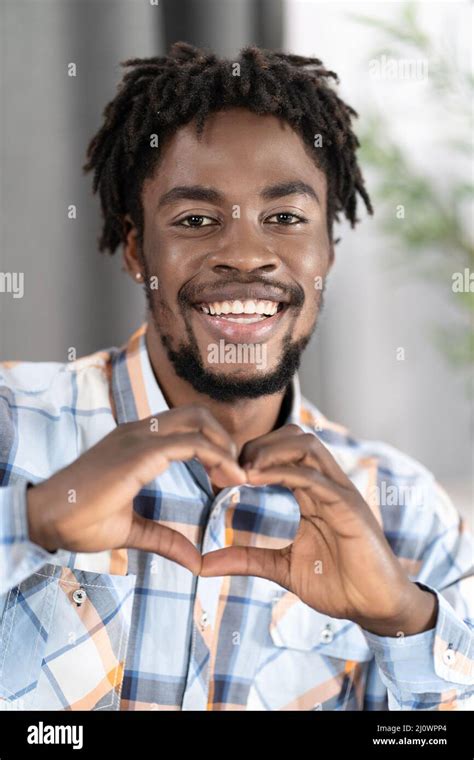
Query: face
x: 235, y: 252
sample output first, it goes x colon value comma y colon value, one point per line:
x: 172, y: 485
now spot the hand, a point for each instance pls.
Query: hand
x: 105, y: 479
x: 340, y: 562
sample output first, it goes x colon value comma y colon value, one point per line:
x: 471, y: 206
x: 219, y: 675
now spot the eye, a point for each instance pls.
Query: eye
x: 196, y: 220
x: 286, y: 218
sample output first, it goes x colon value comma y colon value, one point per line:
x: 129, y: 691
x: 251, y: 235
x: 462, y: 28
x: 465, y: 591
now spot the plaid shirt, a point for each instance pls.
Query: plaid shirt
x: 130, y: 630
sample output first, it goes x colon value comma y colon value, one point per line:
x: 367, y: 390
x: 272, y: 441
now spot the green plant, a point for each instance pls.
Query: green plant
x: 436, y: 233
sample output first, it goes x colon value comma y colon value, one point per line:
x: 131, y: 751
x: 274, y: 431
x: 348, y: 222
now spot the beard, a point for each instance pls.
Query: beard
x: 188, y: 365
x: 187, y: 362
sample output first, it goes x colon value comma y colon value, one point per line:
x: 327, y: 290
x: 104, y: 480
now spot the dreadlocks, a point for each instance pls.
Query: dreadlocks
x: 159, y: 95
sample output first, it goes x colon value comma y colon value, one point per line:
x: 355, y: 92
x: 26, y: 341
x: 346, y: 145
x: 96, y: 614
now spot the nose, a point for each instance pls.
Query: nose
x: 243, y: 251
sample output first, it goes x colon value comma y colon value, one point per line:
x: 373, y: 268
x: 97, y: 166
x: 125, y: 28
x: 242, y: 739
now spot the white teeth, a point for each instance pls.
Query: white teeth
x: 257, y: 307
x: 246, y: 320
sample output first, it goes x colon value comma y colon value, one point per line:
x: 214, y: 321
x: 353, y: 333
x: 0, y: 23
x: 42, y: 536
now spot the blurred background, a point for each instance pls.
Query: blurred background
x: 392, y: 358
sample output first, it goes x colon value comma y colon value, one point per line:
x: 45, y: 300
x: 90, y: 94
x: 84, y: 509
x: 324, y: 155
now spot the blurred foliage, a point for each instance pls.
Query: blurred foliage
x: 436, y: 232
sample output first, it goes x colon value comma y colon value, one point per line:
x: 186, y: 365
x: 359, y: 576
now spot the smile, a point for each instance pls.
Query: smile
x: 244, y: 320
x: 243, y: 312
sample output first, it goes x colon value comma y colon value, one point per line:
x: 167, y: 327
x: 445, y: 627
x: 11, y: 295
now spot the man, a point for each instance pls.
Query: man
x: 180, y: 528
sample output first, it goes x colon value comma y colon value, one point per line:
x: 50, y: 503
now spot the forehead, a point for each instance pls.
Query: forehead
x: 237, y: 153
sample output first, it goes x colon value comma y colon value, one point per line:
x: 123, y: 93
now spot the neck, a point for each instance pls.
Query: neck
x: 244, y: 419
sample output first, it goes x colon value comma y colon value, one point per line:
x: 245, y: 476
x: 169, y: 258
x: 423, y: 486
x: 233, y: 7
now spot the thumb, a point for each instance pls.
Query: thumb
x: 271, y: 564
x: 150, y: 536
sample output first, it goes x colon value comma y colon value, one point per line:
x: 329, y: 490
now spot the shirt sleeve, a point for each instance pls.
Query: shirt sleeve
x: 19, y: 557
x: 434, y: 670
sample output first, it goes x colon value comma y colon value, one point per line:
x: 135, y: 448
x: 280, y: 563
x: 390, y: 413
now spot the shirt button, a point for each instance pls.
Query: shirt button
x: 79, y: 596
x: 204, y: 620
x: 326, y: 635
x: 234, y: 499
x: 449, y: 656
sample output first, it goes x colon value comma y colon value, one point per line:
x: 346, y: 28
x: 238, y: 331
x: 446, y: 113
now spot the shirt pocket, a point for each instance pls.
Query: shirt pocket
x: 23, y: 633
x: 312, y: 662
x: 63, y: 640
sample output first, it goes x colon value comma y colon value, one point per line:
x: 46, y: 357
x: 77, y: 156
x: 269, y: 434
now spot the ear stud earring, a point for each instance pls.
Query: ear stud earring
x: 139, y: 276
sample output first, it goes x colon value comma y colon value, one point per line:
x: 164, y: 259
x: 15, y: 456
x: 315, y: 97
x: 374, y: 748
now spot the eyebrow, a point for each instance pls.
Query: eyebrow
x: 294, y: 187
x: 211, y: 195
x: 191, y: 193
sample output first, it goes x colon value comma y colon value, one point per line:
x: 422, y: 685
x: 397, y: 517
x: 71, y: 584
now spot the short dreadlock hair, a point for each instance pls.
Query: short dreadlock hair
x: 159, y: 95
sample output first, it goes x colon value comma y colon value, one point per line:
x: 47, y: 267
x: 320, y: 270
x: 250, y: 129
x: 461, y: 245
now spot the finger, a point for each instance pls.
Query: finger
x: 214, y: 458
x: 272, y: 564
x: 305, y: 449
x: 295, y: 450
x: 299, y: 477
x: 252, y: 447
x: 193, y: 418
x: 328, y: 464
x: 183, y: 447
x: 150, y: 536
x: 222, y: 477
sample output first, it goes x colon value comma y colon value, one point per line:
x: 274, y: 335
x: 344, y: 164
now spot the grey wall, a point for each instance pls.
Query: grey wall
x: 225, y: 25
x: 73, y: 295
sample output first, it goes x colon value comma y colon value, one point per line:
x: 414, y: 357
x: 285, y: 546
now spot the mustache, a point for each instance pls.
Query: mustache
x: 293, y: 292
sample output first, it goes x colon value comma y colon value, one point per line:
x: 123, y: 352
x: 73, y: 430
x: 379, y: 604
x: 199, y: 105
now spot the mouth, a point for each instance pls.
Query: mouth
x: 241, y: 319
x: 243, y: 312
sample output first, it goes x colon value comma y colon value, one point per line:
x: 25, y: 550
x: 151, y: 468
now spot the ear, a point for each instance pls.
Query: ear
x: 131, y: 253
x: 332, y: 254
